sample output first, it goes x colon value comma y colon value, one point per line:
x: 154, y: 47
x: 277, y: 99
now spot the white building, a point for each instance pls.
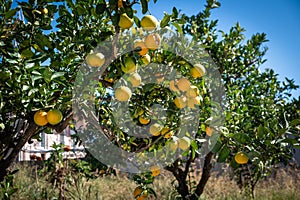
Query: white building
x: 41, y: 150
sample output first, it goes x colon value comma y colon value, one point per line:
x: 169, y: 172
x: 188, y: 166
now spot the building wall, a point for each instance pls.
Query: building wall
x: 41, y: 150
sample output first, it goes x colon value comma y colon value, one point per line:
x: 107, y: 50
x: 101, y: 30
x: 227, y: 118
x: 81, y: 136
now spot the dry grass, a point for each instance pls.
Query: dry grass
x: 284, y: 186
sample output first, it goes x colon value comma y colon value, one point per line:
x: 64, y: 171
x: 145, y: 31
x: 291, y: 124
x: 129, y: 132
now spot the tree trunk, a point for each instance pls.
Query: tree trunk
x: 14, y: 147
x: 204, y: 178
x: 180, y: 176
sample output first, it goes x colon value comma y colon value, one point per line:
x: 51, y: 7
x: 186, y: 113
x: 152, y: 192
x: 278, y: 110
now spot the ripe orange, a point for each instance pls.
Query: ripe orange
x: 149, y: 22
x: 197, y: 71
x: 95, y: 59
x: 120, y: 4
x: 241, y: 158
x: 209, y: 131
x: 54, y: 116
x: 183, y: 84
x: 180, y: 102
x: 152, y: 41
x: 142, y: 46
x: 140, y: 194
x: 167, y: 133
x: 143, y: 120
x: 123, y: 93
x: 45, y: 11
x: 155, y: 129
x: 125, y: 21
x: 172, y: 86
x: 135, y: 79
x: 155, y: 169
x: 40, y: 118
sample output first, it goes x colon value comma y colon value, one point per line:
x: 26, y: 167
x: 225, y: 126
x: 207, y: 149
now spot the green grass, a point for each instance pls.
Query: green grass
x: 31, y: 186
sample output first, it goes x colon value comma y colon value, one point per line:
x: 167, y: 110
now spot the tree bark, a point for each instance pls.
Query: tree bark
x: 180, y: 176
x: 204, y: 178
x: 15, y: 146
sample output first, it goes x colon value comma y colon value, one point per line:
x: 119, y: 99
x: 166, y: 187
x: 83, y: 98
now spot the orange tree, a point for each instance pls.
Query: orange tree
x: 46, y: 55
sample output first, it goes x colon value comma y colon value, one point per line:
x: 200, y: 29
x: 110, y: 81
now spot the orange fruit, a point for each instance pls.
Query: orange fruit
x: 183, y: 84
x: 155, y: 129
x: 155, y: 170
x: 125, y: 21
x: 209, y: 131
x: 120, y: 4
x: 45, y: 11
x: 40, y: 118
x: 197, y: 71
x: 143, y: 120
x: 167, y: 133
x: 149, y: 22
x: 172, y: 86
x: 184, y: 143
x: 180, y: 102
x: 110, y: 80
x: 67, y: 148
x: 139, y: 193
x: 123, y: 93
x: 135, y: 79
x: 142, y: 46
x: 129, y: 65
x: 152, y: 41
x: 193, y: 91
x: 173, y: 145
x: 241, y: 158
x: 95, y: 59
x: 54, y: 116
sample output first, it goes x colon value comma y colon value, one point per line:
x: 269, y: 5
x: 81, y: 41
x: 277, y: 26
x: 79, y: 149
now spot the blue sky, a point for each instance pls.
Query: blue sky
x: 279, y: 19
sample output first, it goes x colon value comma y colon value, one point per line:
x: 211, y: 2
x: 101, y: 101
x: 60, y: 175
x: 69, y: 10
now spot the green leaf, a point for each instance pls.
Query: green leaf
x: 260, y: 131
x: 223, y: 154
x: 164, y: 22
x: 241, y: 138
x: 295, y: 122
x: 80, y: 10
x: 174, y: 12
x: 289, y: 140
x: 27, y: 53
x: 47, y: 74
x: 129, y: 12
x: 216, y: 147
x: 115, y: 19
x: 113, y: 4
x: 10, y: 14
x: 144, y: 6
x: 194, y: 145
x: 57, y: 74
x: 100, y: 8
x: 29, y: 65
x: 178, y: 27
x: 137, y: 21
